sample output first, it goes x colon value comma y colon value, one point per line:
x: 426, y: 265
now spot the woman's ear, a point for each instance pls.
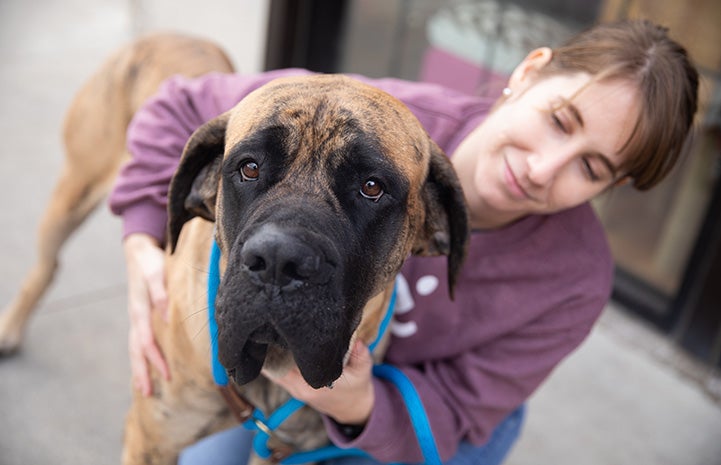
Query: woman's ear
x: 622, y: 181
x: 524, y: 73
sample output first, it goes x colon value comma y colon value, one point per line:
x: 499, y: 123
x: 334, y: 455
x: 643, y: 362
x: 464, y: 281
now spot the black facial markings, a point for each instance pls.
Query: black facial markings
x: 314, y: 155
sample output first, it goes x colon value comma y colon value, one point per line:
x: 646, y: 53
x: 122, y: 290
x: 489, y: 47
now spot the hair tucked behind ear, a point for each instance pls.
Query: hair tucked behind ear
x: 641, y: 52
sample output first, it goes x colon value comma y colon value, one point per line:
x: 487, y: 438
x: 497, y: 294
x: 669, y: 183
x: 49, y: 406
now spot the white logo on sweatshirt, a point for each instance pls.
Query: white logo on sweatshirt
x: 405, y: 303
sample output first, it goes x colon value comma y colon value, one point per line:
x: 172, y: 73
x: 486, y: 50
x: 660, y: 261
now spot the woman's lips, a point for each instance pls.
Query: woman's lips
x: 513, y: 185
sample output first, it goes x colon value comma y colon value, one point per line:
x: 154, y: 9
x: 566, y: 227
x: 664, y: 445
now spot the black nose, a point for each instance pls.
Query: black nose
x: 281, y: 259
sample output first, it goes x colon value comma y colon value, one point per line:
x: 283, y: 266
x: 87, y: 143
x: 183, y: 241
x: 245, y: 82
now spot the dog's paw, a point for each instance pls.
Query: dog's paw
x: 10, y: 335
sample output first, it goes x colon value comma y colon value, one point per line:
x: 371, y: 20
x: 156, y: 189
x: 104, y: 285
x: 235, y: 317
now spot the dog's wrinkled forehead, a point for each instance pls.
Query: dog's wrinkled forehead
x: 331, y: 111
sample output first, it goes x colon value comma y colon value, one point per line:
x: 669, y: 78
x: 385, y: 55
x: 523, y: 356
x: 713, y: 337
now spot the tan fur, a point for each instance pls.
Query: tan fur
x: 94, y: 137
x: 189, y: 406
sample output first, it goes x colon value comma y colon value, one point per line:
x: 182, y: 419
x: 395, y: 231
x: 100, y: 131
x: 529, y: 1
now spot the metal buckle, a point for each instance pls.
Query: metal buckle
x: 262, y: 426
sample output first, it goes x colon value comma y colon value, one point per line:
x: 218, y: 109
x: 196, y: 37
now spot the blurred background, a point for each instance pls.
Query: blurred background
x: 644, y: 389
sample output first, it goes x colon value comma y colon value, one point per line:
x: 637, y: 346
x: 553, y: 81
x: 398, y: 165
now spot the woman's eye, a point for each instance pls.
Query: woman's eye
x: 372, y: 190
x: 590, y: 172
x: 558, y: 123
x: 249, y: 170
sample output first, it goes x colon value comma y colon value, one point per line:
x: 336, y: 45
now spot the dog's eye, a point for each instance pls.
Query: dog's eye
x: 372, y: 190
x: 249, y: 170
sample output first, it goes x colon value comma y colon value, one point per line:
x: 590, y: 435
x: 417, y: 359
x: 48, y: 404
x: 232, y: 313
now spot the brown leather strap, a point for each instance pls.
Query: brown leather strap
x: 243, y: 411
x: 241, y: 408
x: 279, y: 453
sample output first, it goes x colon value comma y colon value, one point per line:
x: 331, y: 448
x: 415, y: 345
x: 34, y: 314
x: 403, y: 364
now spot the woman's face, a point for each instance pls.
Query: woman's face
x: 547, y: 147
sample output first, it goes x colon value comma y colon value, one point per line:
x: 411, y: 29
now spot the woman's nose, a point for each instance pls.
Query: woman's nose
x: 544, y: 167
x: 541, y: 169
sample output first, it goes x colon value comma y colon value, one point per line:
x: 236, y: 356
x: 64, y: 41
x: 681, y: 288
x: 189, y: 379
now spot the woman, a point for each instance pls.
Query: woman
x: 613, y: 105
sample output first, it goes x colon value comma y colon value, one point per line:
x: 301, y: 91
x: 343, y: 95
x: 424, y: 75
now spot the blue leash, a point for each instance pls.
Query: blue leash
x: 220, y: 376
x: 265, y: 426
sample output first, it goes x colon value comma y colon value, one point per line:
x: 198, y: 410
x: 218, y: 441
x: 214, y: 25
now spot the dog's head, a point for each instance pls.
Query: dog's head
x: 320, y: 187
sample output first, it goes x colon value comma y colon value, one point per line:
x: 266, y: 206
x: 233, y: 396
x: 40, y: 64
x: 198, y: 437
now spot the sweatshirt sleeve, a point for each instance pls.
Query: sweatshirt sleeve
x: 157, y: 135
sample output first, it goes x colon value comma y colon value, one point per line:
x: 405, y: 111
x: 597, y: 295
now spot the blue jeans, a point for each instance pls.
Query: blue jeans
x: 232, y: 447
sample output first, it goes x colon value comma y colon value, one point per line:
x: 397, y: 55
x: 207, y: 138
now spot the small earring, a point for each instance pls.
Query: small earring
x: 507, y: 92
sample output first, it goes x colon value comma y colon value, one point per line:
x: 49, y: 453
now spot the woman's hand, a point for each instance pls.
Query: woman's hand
x: 145, y: 261
x: 351, y: 398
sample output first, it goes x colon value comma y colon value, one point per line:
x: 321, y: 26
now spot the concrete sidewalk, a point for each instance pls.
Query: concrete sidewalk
x: 620, y: 399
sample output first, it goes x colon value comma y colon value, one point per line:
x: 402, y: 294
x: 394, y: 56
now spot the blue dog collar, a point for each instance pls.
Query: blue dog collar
x: 220, y: 376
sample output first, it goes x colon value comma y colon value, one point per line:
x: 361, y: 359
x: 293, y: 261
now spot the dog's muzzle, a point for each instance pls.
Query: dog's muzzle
x: 284, y: 287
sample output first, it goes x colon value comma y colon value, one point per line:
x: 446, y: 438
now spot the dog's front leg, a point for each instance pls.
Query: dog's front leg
x: 189, y: 406
x: 175, y: 416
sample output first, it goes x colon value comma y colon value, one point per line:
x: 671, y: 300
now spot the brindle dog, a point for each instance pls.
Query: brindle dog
x: 316, y: 189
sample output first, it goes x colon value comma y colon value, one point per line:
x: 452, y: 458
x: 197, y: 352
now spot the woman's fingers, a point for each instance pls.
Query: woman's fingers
x: 146, y: 293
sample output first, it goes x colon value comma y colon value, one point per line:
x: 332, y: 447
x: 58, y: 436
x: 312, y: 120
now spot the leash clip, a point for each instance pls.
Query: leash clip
x: 262, y: 426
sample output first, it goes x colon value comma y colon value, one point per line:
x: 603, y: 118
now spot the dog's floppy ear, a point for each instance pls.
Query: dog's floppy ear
x: 194, y: 187
x: 445, y: 230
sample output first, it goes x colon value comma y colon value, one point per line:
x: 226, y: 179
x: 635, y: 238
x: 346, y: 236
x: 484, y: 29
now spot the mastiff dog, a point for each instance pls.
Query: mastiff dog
x: 315, y: 190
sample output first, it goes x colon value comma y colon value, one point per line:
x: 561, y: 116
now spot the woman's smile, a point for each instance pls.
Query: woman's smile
x: 516, y: 189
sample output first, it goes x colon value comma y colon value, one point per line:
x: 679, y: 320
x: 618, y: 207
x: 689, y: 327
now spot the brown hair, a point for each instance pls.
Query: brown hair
x: 642, y: 52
